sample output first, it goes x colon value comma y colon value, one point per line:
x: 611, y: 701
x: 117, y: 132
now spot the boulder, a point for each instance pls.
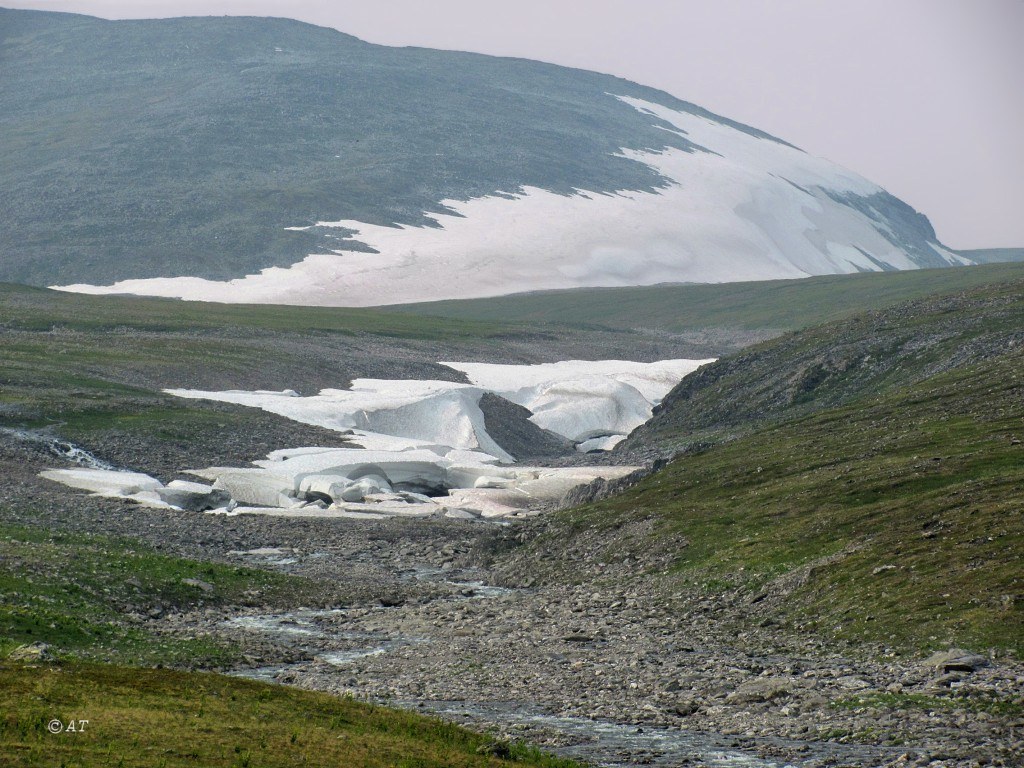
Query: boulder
x: 956, y: 660
x: 686, y: 707
x: 943, y: 683
x: 761, y: 689
x: 33, y: 652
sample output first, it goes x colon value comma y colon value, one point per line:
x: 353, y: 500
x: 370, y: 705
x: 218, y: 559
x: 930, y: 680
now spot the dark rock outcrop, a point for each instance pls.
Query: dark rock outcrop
x: 510, y: 427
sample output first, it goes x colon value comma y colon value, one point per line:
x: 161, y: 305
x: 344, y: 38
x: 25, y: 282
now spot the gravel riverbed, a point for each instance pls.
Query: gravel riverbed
x: 419, y: 613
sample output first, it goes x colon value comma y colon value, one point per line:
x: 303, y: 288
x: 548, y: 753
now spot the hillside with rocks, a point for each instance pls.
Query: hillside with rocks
x: 826, y: 574
x: 871, y: 354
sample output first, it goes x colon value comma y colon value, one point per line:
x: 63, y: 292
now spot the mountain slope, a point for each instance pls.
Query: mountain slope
x: 879, y: 504
x: 871, y: 354
x: 205, y: 150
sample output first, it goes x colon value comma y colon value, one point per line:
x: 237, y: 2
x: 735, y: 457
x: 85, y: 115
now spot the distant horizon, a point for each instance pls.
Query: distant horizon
x: 932, y: 112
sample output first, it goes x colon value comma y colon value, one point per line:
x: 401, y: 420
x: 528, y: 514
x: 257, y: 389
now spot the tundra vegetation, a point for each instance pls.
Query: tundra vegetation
x: 854, y: 483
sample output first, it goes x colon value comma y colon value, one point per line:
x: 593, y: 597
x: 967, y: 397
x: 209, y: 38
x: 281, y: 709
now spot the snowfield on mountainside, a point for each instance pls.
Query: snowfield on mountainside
x: 737, y: 207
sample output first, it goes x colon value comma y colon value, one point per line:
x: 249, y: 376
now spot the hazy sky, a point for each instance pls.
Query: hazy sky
x: 925, y: 97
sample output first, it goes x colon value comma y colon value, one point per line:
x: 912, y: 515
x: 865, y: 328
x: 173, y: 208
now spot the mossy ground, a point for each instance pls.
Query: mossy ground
x: 158, y: 718
x: 73, y: 590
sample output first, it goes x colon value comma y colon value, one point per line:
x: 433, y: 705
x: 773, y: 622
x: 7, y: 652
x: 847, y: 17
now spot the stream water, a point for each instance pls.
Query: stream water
x: 598, y: 742
x: 601, y: 742
x: 60, y: 448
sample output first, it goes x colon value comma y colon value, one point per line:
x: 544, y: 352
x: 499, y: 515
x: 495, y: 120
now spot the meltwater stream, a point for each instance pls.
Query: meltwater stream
x: 594, y: 741
x: 298, y: 628
x: 62, y: 449
x: 601, y: 742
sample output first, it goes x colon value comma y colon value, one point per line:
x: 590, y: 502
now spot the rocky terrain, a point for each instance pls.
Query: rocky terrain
x: 583, y: 630
x: 402, y: 613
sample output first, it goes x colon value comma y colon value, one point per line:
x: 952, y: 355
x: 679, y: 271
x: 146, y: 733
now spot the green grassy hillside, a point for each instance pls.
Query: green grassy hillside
x: 896, y: 519
x: 73, y: 591
x: 166, y: 719
x: 774, y: 304
x: 888, y: 510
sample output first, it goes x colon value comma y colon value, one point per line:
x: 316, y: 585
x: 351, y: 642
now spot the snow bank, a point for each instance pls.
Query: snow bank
x: 106, y: 482
x: 142, y: 489
x: 419, y: 448
x: 380, y: 410
x: 583, y: 399
x: 348, y: 483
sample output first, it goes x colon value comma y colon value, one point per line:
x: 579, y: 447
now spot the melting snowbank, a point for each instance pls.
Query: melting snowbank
x: 349, y: 483
x: 590, y: 402
x: 437, y: 412
x: 583, y: 400
x: 420, y: 448
x: 142, y: 489
x: 419, y: 482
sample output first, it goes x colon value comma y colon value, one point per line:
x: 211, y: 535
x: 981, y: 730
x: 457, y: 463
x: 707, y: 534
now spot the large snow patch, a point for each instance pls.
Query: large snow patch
x: 578, y: 399
x: 583, y: 399
x: 419, y: 448
x: 739, y: 208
